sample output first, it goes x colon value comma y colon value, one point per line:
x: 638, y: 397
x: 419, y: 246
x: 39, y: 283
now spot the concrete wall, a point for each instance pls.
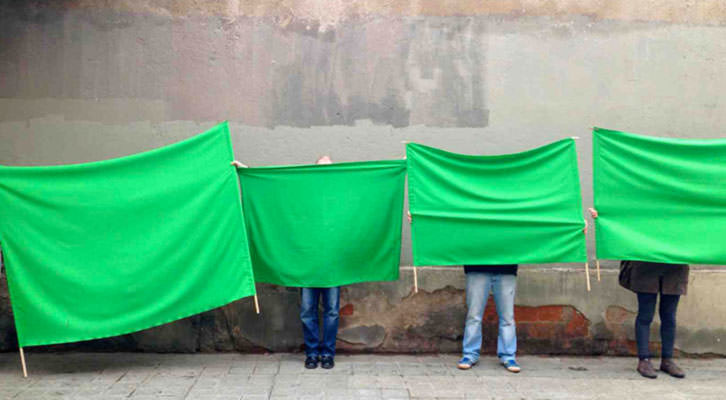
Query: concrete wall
x: 90, y: 79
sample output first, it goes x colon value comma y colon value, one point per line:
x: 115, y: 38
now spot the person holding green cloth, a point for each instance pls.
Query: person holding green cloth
x: 647, y: 280
x: 319, y: 346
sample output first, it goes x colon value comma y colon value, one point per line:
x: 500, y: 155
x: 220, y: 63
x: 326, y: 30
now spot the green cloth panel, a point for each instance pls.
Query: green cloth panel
x: 111, y: 247
x: 324, y: 225
x: 659, y: 199
x: 503, y: 209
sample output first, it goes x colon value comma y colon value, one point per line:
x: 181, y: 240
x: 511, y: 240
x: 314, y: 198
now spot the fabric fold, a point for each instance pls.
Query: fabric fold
x: 116, y: 246
x: 659, y: 199
x: 501, y: 209
x: 324, y: 225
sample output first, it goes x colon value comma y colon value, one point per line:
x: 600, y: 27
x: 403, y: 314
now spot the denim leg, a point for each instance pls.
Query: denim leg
x: 504, y: 288
x: 667, y: 310
x: 309, y: 317
x: 477, y: 292
x: 646, y: 310
x: 331, y: 306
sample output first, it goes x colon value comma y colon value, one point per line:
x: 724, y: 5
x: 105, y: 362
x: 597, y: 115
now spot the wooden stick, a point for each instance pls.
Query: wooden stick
x: 257, y: 304
x: 597, y: 264
x: 22, y: 362
x: 415, y: 280
x: 587, y: 275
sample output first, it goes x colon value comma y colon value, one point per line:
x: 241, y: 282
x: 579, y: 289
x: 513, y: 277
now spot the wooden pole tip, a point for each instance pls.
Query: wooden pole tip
x: 587, y: 275
x: 22, y: 363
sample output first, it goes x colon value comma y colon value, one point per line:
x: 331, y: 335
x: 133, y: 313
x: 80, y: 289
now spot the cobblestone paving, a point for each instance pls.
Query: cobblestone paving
x: 282, y: 376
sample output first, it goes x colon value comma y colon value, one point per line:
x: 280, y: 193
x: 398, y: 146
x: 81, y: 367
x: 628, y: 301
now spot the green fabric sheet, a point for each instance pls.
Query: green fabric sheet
x: 324, y: 225
x: 503, y: 209
x: 111, y: 247
x: 659, y: 199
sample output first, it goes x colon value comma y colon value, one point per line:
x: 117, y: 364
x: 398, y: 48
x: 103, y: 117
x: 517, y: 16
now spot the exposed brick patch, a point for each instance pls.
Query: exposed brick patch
x: 543, y: 329
x: 346, y: 311
x: 549, y: 313
x: 578, y: 326
x: 618, y: 315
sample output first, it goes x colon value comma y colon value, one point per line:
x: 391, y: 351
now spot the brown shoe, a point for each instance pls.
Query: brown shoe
x: 646, y: 369
x: 669, y: 367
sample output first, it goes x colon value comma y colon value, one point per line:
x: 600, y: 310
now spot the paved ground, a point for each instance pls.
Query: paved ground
x: 282, y: 376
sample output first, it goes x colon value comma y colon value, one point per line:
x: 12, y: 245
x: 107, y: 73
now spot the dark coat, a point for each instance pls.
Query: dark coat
x: 649, y: 277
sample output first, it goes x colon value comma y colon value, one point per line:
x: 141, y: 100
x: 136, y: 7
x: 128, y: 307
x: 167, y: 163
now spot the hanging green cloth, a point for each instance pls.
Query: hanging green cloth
x: 659, y: 199
x: 111, y: 247
x: 504, y: 209
x: 324, y: 225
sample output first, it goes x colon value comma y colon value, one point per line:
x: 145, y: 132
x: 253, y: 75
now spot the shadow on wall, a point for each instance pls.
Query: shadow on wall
x: 427, y: 322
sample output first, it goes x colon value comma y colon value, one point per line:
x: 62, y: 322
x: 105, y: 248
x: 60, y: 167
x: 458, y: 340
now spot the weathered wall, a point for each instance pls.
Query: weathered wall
x: 90, y: 79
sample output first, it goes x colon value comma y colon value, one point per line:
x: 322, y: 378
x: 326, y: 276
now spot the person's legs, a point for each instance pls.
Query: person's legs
x: 504, y: 288
x: 477, y: 292
x: 667, y: 311
x: 646, y: 310
x: 309, y: 317
x: 331, y: 306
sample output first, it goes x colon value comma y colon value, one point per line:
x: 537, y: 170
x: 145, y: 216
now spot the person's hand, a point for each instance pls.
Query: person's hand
x: 408, y: 215
x: 593, y: 212
x: 238, y: 164
x: 584, y: 230
x: 324, y: 160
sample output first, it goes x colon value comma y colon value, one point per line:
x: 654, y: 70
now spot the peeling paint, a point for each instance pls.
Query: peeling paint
x: 334, y: 12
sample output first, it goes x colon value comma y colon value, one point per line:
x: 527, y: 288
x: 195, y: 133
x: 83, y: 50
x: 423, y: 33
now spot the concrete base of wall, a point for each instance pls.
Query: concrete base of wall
x: 555, y: 315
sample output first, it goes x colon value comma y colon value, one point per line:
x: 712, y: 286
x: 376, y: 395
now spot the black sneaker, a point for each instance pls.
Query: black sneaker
x: 327, y: 362
x: 311, y: 362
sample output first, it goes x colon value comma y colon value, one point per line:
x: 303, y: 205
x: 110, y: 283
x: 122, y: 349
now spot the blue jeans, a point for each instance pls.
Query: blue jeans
x: 314, y: 346
x: 646, y: 311
x: 478, y: 285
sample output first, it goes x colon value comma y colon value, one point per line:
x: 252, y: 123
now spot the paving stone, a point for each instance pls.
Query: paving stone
x: 283, y: 377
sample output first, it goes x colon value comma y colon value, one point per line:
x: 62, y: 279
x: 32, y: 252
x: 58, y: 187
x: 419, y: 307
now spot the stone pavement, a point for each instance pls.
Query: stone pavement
x: 112, y: 376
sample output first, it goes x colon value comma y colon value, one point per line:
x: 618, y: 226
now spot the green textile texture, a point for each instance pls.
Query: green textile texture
x: 111, y: 247
x: 503, y: 209
x: 324, y: 225
x: 659, y: 199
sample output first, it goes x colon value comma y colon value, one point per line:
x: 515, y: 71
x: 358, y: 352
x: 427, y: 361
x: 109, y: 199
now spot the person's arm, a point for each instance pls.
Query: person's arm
x: 408, y: 215
x: 238, y: 164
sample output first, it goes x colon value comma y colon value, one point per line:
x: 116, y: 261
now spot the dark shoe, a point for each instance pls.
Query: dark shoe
x: 311, y: 362
x: 327, y: 362
x: 669, y: 367
x: 646, y: 369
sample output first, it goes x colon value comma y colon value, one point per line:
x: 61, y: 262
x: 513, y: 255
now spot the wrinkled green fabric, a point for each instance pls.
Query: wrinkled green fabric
x: 324, y: 225
x: 659, y: 199
x: 111, y: 247
x: 503, y: 209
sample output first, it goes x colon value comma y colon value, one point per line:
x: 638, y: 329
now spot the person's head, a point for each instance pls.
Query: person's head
x: 324, y: 160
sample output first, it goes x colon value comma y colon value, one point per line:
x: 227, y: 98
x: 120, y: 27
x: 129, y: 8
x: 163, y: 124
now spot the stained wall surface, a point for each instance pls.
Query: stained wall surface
x: 87, y: 80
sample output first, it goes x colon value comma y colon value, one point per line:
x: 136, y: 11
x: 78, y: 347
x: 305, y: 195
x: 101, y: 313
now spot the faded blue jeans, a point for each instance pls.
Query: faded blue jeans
x: 503, y: 287
x: 315, y: 345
